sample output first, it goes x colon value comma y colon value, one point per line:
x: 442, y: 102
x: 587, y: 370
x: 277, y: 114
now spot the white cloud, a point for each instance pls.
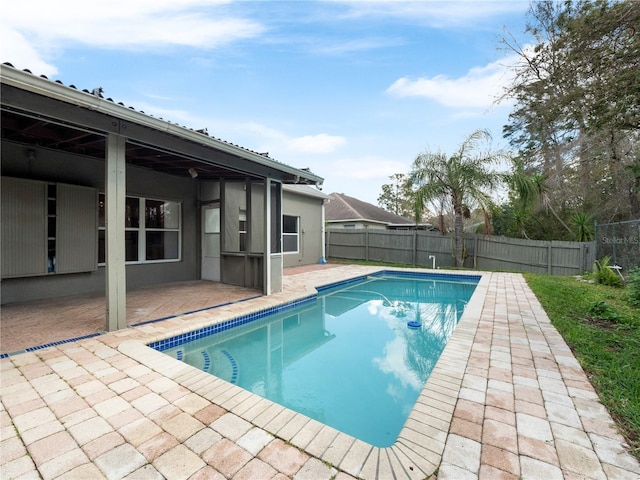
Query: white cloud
x: 441, y: 14
x: 394, y: 361
x: 359, y: 45
x: 479, y: 88
x: 321, y: 143
x: 258, y: 130
x: 252, y: 135
x: 140, y: 24
x: 17, y: 50
x: 365, y: 168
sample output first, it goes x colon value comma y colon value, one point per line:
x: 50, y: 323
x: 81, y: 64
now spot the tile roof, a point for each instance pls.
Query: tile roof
x: 342, y: 207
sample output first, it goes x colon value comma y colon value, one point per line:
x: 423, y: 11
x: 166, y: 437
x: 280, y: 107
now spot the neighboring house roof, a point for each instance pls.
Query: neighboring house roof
x: 342, y: 208
x: 26, y: 96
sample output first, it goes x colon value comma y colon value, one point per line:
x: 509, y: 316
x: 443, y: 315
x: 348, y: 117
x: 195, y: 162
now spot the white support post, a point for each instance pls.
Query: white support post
x: 268, y: 225
x: 115, y: 181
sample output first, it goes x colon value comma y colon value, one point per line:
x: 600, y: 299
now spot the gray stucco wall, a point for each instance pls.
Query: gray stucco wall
x: 357, y: 225
x: 309, y: 209
x: 55, y: 166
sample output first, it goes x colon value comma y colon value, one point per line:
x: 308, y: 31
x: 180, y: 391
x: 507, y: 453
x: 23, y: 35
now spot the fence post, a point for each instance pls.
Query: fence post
x: 615, y: 260
x: 415, y: 247
x: 549, y: 255
x: 366, y: 244
x: 595, y: 237
x: 475, y: 251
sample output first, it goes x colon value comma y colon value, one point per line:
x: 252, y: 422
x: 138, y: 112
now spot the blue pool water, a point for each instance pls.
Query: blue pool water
x: 348, y: 357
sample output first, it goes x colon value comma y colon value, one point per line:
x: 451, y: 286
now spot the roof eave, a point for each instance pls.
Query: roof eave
x: 45, y: 87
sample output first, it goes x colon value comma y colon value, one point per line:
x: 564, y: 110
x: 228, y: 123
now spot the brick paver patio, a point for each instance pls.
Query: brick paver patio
x: 31, y: 324
x: 507, y: 400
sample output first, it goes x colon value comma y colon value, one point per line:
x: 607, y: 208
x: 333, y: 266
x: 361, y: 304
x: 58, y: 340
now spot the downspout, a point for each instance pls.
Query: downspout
x: 323, y: 259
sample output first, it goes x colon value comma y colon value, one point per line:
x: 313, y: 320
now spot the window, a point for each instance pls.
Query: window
x: 242, y: 230
x: 162, y: 229
x: 212, y: 220
x: 290, y: 234
x: 153, y: 237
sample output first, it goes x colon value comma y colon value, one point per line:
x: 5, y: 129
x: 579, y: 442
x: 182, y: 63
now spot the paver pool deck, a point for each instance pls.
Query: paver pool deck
x: 507, y: 400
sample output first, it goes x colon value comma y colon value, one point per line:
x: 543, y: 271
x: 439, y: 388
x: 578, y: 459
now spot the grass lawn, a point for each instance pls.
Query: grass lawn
x: 603, y: 331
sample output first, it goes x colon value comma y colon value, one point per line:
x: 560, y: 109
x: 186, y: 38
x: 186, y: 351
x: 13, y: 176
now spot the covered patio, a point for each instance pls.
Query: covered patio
x: 99, y: 198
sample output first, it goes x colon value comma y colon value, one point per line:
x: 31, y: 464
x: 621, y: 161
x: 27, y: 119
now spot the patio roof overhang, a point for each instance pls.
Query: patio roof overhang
x: 40, y: 112
x: 44, y: 114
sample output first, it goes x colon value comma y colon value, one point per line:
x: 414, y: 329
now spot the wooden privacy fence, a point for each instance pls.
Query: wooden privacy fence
x: 431, y: 249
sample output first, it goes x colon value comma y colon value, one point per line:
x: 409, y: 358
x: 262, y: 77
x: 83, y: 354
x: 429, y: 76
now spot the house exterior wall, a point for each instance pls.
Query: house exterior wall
x: 56, y: 166
x: 309, y: 211
x: 238, y: 268
x: 356, y: 224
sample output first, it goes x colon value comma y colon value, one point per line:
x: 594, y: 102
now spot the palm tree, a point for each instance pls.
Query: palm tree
x: 533, y: 191
x: 584, y: 227
x: 543, y: 192
x: 463, y: 178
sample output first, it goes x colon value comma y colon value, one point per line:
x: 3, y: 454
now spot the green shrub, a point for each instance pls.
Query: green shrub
x: 633, y: 286
x: 603, y: 311
x: 604, y: 274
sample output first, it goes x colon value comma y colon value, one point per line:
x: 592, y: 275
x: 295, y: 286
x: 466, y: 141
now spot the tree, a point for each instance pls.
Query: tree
x: 397, y: 197
x: 532, y: 192
x: 576, y: 122
x: 583, y: 224
x: 464, y: 179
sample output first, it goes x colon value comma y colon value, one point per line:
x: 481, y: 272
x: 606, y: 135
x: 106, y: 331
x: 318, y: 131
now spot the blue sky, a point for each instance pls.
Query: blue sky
x: 353, y: 90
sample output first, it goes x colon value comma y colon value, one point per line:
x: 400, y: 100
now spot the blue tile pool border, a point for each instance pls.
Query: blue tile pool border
x: 401, y: 274
x: 165, y: 344
x: 146, y: 322
x: 155, y: 320
x: 429, y: 275
x: 162, y: 345
x: 51, y: 344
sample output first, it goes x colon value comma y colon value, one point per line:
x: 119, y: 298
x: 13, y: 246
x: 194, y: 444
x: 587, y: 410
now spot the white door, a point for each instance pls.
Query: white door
x: 211, y: 243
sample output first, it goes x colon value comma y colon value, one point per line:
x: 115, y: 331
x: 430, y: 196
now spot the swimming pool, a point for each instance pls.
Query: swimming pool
x: 346, y: 357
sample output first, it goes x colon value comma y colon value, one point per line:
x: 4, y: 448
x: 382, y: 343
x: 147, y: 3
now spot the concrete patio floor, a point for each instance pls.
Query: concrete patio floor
x: 507, y: 400
x: 32, y: 324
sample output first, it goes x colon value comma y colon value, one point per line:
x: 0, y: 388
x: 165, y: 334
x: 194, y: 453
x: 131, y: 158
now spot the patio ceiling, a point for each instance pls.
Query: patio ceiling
x: 47, y: 133
x: 40, y: 113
